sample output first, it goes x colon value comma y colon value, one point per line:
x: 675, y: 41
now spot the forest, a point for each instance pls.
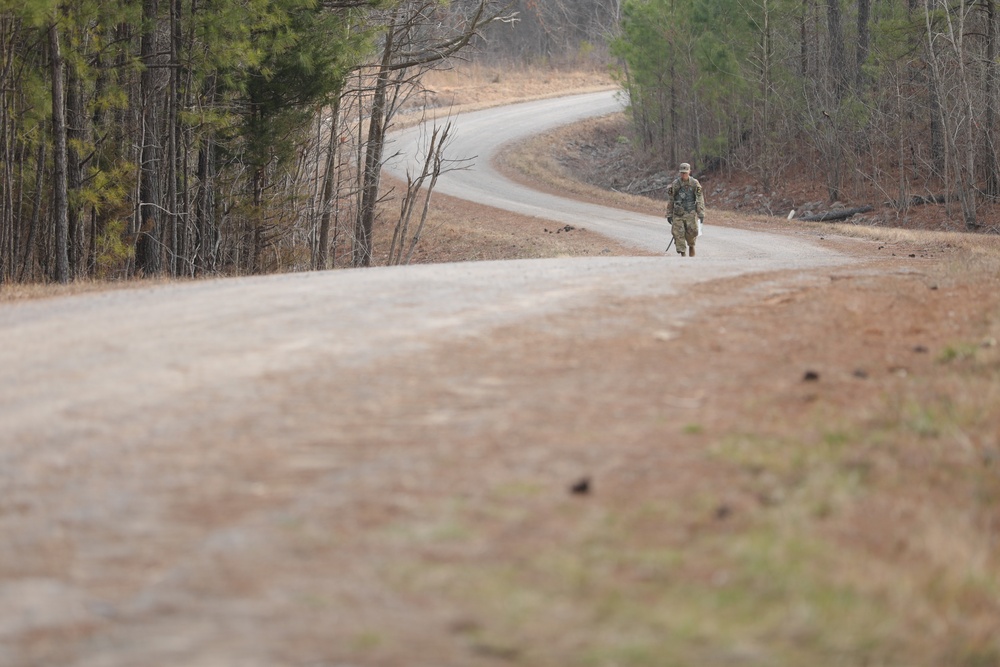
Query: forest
x: 891, y: 101
x: 220, y: 137
x: 233, y: 137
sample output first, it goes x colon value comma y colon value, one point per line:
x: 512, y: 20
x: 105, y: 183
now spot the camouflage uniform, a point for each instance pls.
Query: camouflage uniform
x: 685, y: 207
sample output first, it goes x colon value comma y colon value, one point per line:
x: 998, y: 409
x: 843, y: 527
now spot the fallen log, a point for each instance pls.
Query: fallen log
x: 919, y: 200
x: 835, y: 214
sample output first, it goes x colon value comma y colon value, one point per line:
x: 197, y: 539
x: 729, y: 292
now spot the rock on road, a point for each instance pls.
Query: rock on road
x: 153, y: 441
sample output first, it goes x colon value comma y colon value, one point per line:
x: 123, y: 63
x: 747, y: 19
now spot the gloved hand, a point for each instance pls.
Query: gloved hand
x: 670, y: 219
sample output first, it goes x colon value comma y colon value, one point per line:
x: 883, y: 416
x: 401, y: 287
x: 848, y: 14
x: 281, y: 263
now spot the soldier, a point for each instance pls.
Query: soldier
x: 685, y: 210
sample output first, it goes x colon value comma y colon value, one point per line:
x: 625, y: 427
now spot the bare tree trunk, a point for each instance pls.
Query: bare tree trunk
x: 900, y: 141
x: 60, y: 204
x: 400, y: 53
x: 328, y: 197
x: 861, y: 52
x: 437, y: 153
x: 148, y: 241
x: 8, y: 230
x: 967, y: 171
x: 29, y: 247
x: 674, y: 131
x: 804, y: 41
x: 939, y: 149
x: 431, y: 170
x: 990, y: 162
x: 362, y: 255
x: 766, y: 172
x: 205, y: 207
x: 838, y: 57
x: 76, y: 132
x: 98, y: 216
x: 257, y: 223
x: 173, y: 244
x: 960, y: 126
x: 205, y: 199
x: 315, y: 199
x: 838, y: 79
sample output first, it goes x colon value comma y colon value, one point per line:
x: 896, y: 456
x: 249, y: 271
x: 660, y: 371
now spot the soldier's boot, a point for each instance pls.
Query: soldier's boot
x: 681, y: 253
x: 691, y: 251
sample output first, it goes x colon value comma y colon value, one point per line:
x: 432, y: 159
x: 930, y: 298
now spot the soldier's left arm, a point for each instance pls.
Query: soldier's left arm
x: 699, y: 201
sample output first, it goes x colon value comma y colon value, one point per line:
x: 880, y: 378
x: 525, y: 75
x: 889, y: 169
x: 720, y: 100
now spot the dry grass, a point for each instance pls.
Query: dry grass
x: 774, y: 522
x: 10, y: 292
x: 865, y: 512
x: 540, y: 161
x: 472, y: 86
x: 851, y: 521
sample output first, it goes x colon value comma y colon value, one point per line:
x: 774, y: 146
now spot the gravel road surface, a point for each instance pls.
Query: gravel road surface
x: 477, y: 137
x: 129, y: 420
x: 71, y: 364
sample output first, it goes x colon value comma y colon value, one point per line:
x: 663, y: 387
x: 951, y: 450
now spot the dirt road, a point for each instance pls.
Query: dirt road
x: 299, y: 469
x: 477, y: 138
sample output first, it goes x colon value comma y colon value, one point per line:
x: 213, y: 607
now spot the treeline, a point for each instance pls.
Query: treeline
x: 894, y: 99
x: 193, y: 137
x: 558, y: 33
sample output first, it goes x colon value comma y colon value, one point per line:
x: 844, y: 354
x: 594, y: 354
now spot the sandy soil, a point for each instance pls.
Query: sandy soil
x: 781, y: 469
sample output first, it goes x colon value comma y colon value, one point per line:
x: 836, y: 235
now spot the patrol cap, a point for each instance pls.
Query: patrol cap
x: 685, y: 168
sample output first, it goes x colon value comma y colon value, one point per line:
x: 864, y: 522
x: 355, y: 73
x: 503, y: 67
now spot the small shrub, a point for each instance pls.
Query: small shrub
x: 114, y: 251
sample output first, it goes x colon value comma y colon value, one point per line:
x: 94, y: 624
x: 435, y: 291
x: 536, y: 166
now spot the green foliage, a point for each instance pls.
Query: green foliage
x: 25, y: 80
x: 958, y: 352
x: 651, y: 36
x: 114, y: 250
x: 243, y: 78
x: 36, y: 13
x: 896, y: 35
x: 716, y: 77
x: 651, y: 45
x: 699, y: 57
x: 301, y: 68
x: 107, y: 188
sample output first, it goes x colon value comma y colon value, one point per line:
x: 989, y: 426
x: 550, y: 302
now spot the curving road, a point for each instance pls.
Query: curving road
x: 477, y: 137
x: 69, y: 367
x: 159, y: 445
x: 124, y: 365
